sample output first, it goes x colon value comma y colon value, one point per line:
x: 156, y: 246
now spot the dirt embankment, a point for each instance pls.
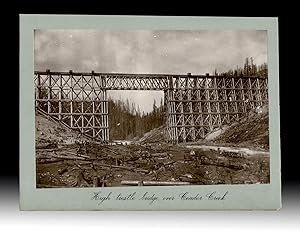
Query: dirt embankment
x: 251, y: 131
x: 50, y: 131
x: 156, y: 135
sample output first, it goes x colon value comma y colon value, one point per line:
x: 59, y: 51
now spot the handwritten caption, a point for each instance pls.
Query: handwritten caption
x: 151, y: 198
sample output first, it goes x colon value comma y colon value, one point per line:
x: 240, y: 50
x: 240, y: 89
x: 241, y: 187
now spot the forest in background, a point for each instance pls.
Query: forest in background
x: 127, y: 122
x: 249, y: 69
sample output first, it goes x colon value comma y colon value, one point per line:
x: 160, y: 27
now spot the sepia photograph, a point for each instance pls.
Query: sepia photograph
x: 132, y: 108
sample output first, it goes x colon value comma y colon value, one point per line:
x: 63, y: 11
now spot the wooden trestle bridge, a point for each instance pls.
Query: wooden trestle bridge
x: 195, y: 104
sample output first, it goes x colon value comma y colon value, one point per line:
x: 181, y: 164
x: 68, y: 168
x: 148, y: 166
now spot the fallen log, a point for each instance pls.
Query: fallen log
x: 219, y: 163
x: 154, y: 183
x: 62, y: 170
x: 46, y: 146
x: 42, y: 150
x: 57, y: 156
x: 133, y: 159
x: 161, y: 155
x: 121, y: 167
x: 169, y: 163
x: 69, y: 157
x: 112, y: 166
x: 141, y: 170
x: 48, y: 160
x: 79, y: 155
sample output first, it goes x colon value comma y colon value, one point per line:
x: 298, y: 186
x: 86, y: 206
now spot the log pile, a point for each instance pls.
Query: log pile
x: 97, y: 165
x: 88, y: 164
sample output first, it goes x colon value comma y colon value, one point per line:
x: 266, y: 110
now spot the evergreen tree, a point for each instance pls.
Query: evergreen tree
x: 126, y: 121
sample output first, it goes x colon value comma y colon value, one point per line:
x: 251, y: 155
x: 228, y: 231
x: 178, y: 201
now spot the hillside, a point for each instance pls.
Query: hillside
x: 250, y: 131
x: 51, y: 131
x: 155, y: 135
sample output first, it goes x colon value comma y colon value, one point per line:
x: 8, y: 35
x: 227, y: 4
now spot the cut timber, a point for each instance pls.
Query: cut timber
x: 221, y: 163
x: 47, y: 160
x: 69, y: 157
x: 80, y: 155
x: 46, y: 146
x: 154, y: 183
x: 112, y: 166
x: 121, y: 167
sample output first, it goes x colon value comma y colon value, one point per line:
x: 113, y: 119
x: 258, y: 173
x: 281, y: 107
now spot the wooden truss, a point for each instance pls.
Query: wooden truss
x: 196, y: 104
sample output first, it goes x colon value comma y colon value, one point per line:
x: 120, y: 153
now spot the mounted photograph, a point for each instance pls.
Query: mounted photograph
x: 133, y: 108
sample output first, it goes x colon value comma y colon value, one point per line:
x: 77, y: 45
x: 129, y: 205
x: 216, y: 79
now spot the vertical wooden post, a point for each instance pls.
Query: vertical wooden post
x: 200, y: 110
x: 219, y: 121
x: 173, y: 111
x: 235, y: 107
x: 243, y: 96
x: 93, y: 104
x: 252, y: 105
x: 60, y: 97
x: 265, y: 93
x: 38, y: 91
x: 168, y: 129
x: 192, y: 122
x: 104, y: 110
x: 183, y: 125
x: 259, y: 98
x: 226, y: 101
x: 169, y: 111
x: 49, y: 92
x: 106, y: 116
x: 102, y: 116
x: 194, y: 107
x: 82, y: 105
x: 72, y: 97
x: 101, y: 111
x: 208, y: 104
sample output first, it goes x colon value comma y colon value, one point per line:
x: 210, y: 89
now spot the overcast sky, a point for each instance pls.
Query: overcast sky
x: 146, y: 51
